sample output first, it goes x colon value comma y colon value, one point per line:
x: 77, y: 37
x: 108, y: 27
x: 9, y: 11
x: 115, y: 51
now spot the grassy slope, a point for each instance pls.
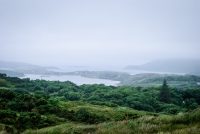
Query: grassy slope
x: 183, y: 123
x: 114, y: 114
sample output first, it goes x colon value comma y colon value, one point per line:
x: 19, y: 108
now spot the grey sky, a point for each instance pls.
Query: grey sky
x: 98, y: 32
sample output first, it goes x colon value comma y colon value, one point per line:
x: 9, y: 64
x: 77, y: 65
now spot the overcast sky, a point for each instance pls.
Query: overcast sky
x: 98, y: 32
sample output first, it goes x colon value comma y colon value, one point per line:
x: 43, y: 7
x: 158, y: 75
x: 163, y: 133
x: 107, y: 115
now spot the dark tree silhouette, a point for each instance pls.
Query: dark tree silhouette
x: 164, y: 95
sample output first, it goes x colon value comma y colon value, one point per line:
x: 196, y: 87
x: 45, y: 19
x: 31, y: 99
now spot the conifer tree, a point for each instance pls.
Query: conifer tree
x: 164, y: 95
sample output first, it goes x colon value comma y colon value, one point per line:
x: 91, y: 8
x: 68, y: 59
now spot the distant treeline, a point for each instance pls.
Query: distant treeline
x: 144, y: 79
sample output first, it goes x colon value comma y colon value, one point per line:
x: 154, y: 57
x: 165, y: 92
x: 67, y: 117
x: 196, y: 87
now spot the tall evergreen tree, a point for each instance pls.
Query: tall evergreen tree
x: 164, y: 95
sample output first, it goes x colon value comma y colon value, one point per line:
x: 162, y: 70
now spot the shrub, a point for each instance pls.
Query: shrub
x: 21, y: 91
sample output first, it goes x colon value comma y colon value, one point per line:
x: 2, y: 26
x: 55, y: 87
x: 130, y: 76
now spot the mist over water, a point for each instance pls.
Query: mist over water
x: 75, y: 79
x: 107, y: 68
x: 84, y: 80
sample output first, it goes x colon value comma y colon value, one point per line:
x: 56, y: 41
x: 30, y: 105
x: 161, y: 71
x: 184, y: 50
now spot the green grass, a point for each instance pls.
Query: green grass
x: 6, y: 129
x: 140, y: 126
x: 144, y: 123
x: 112, y: 114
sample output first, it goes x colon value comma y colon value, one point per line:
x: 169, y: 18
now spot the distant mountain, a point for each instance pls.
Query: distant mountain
x: 11, y: 73
x: 20, y: 66
x: 170, y: 65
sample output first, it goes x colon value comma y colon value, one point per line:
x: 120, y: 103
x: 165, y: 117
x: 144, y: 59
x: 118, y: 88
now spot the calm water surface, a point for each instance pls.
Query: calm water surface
x: 116, y: 69
x: 75, y: 79
x: 83, y: 80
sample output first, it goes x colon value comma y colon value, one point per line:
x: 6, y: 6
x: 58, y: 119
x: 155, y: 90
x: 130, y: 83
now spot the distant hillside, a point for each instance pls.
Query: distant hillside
x: 18, y: 69
x: 11, y: 73
x: 21, y: 66
x: 168, y: 65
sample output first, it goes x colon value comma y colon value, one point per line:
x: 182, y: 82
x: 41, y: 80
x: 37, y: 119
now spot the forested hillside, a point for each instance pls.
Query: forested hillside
x: 34, y: 104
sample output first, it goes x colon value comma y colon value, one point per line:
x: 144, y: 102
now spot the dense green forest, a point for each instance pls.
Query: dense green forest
x: 33, y: 104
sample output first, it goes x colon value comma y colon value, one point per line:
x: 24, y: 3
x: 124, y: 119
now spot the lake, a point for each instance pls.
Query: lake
x: 115, y: 69
x: 84, y: 80
x: 75, y: 79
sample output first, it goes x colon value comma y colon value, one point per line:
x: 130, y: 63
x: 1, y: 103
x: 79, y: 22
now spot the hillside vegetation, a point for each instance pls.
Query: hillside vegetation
x: 39, y: 106
x: 187, y: 123
x: 144, y: 79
